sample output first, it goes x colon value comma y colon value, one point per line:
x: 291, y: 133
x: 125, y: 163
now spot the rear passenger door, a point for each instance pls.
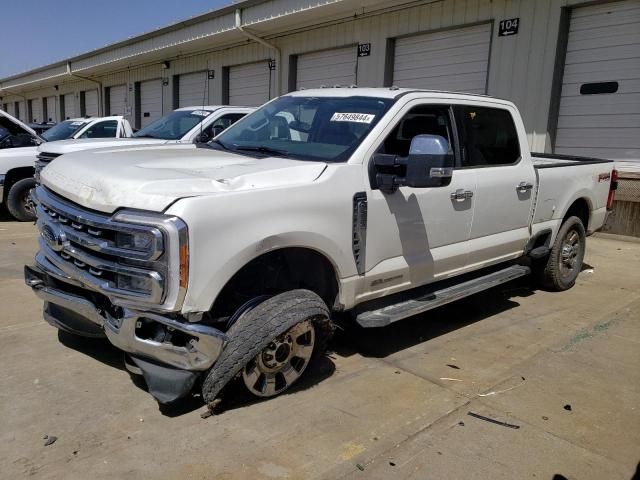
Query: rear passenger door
x: 494, y: 146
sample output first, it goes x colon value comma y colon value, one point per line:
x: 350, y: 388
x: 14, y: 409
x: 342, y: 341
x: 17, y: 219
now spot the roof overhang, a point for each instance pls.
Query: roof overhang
x: 208, y: 32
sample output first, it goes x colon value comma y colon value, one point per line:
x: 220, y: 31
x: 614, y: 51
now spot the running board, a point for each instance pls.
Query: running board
x: 426, y: 301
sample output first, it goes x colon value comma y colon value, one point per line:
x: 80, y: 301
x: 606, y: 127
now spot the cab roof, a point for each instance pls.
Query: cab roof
x: 388, y: 92
x: 209, y: 107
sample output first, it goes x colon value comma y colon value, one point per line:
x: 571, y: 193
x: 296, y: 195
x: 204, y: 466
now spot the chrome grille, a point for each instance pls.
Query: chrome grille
x: 87, y: 246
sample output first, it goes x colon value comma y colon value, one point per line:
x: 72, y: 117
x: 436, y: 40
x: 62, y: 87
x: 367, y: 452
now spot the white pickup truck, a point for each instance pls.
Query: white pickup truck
x: 19, y: 146
x: 230, y: 261
x: 185, y: 125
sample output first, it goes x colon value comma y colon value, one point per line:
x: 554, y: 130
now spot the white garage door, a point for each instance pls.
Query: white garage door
x: 52, y: 111
x: 36, y: 110
x: 117, y: 100
x: 600, y: 101
x: 454, y: 60
x: 70, y: 106
x: 150, y: 101
x: 193, y: 89
x: 21, y: 111
x: 249, y: 84
x: 91, y: 103
x: 329, y: 68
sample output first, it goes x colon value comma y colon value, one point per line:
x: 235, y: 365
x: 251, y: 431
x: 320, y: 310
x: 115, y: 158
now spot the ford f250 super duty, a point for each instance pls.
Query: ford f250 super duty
x: 230, y: 261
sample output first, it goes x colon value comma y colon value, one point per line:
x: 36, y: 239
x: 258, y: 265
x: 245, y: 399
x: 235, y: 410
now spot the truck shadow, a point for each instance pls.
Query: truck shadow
x: 233, y: 397
x: 382, y: 342
x: 350, y: 339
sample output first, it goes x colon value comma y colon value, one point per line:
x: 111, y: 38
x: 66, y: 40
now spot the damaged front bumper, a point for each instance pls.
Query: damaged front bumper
x: 169, y: 352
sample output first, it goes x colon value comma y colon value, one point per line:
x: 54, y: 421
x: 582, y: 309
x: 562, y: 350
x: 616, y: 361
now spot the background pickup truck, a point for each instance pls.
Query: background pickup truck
x: 184, y: 125
x: 18, y: 149
x: 369, y: 205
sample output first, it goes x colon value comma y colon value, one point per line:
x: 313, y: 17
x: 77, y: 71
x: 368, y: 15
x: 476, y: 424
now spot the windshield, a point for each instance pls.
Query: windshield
x: 63, y: 130
x: 173, y: 126
x: 4, y: 133
x: 306, y: 128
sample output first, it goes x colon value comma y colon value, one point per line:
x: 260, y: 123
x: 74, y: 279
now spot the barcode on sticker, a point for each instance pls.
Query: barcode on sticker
x: 353, y: 117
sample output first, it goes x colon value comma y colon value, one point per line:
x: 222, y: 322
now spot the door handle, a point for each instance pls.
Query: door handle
x: 524, y: 187
x: 461, y: 195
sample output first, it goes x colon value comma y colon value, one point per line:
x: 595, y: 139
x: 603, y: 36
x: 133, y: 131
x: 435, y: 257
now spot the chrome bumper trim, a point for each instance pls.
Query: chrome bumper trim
x: 199, y: 353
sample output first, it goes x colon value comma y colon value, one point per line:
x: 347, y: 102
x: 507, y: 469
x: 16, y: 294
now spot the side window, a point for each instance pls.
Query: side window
x: 488, y: 136
x: 222, y: 123
x: 420, y: 120
x: 106, y: 129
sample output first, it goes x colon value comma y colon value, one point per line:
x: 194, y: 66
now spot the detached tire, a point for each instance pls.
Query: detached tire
x: 271, y: 346
x: 559, y: 271
x: 19, y: 200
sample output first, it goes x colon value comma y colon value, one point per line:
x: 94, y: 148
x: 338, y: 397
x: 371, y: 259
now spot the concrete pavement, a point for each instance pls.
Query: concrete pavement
x: 389, y: 403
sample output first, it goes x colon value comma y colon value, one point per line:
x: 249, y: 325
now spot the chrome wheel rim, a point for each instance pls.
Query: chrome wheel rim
x: 281, y: 363
x: 570, y: 253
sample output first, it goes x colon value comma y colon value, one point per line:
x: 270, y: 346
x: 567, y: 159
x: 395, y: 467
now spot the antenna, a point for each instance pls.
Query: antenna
x: 204, y: 94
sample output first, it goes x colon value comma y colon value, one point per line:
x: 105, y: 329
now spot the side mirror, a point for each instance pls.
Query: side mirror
x: 429, y: 163
x: 203, y: 137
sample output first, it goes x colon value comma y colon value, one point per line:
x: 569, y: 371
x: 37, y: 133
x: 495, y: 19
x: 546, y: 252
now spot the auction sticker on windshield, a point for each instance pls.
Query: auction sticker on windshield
x: 353, y: 117
x: 200, y: 113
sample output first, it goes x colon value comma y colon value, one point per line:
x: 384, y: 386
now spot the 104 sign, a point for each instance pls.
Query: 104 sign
x: 508, y: 27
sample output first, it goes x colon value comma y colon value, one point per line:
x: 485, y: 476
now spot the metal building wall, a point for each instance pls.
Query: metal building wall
x: 521, y: 67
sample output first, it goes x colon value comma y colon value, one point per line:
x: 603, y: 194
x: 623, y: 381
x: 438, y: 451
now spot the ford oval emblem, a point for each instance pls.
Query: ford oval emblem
x: 55, y: 238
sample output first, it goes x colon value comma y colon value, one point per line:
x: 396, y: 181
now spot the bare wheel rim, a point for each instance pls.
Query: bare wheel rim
x: 281, y: 363
x: 26, y: 201
x: 570, y: 253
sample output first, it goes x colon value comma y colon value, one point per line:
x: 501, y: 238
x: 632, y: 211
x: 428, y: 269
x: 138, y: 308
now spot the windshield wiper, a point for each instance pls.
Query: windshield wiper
x: 262, y: 149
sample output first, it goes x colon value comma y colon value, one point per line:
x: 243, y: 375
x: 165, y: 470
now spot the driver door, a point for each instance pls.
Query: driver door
x: 417, y: 235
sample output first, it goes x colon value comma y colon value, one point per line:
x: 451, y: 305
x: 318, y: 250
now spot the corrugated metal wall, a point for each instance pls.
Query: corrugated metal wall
x: 521, y: 67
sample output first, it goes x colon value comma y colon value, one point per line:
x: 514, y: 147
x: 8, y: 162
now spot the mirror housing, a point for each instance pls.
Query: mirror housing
x: 429, y: 164
x: 202, y: 138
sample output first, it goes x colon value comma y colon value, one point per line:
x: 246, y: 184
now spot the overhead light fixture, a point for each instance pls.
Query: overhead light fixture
x: 165, y: 65
x: 55, y: 87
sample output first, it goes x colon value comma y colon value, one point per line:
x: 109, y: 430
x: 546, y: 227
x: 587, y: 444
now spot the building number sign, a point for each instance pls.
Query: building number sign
x: 508, y: 27
x: 364, y: 49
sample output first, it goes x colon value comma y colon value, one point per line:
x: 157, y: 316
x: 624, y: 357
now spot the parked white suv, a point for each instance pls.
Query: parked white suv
x: 18, y: 149
x: 229, y: 261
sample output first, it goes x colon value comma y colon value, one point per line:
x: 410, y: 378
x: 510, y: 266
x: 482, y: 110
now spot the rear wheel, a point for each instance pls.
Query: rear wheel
x: 19, y: 201
x: 271, y: 346
x: 560, y: 269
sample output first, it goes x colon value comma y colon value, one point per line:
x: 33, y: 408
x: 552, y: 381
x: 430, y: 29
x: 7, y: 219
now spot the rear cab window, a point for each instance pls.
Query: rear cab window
x: 488, y: 136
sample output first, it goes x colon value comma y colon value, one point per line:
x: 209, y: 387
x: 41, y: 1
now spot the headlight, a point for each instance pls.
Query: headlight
x: 134, y: 284
x: 165, y: 239
x: 142, y: 242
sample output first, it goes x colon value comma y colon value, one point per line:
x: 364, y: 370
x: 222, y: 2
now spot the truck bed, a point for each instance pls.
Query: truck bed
x: 589, y: 178
x: 550, y: 160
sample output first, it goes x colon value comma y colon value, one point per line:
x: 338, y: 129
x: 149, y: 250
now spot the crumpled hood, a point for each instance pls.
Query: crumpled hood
x: 152, y: 178
x: 67, y: 146
x: 15, y: 126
